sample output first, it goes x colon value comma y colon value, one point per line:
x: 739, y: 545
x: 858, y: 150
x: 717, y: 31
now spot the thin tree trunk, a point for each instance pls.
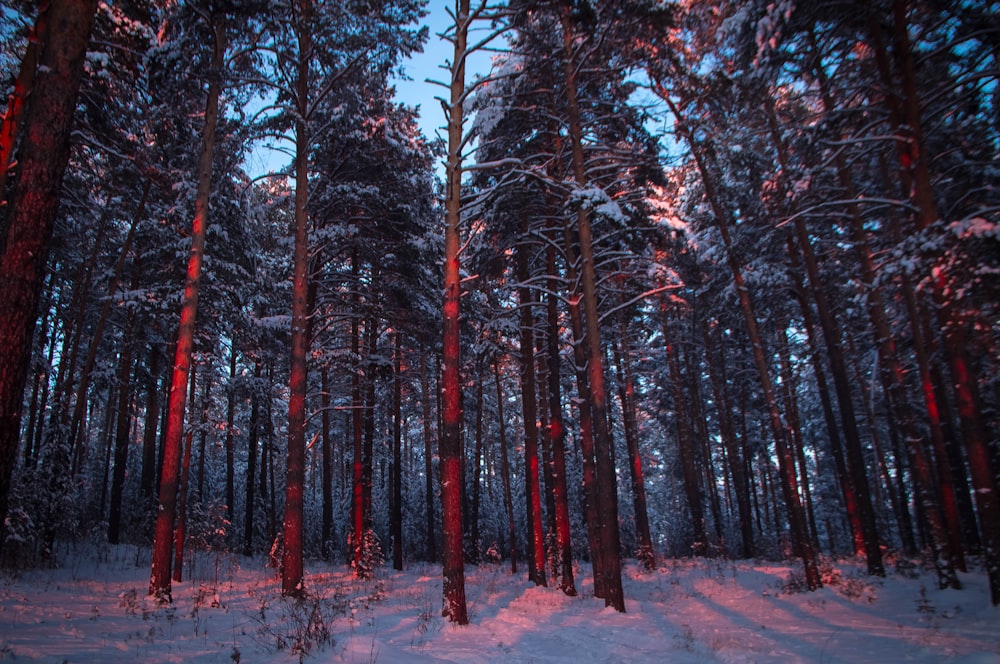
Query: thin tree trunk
x: 327, y: 464
x: 557, y: 430
x: 532, y: 494
x: 121, y: 435
x: 397, y: 456
x: 229, y: 441
x: 626, y: 394
x: 252, y: 438
x: 159, y: 581
x: 508, y: 498
x: 147, y: 481
x: 425, y: 392
x: 786, y: 460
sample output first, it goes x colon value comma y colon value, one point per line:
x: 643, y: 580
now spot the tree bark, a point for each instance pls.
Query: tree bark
x: 159, y: 581
x: 508, y: 499
x: 33, y: 205
x: 450, y: 443
x: 292, y: 583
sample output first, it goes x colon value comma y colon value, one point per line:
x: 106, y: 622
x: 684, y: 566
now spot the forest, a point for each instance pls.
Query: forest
x: 677, y: 279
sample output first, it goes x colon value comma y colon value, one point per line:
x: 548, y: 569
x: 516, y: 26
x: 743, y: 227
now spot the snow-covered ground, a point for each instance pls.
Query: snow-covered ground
x: 93, y: 609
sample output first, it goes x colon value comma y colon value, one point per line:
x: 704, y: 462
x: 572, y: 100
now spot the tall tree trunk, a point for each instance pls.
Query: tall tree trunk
x: 477, y: 472
x: 450, y: 443
x: 291, y: 558
x: 159, y: 580
x: 44, y: 153
x: 607, y: 492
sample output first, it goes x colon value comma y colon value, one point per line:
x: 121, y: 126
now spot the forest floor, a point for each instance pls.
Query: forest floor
x: 93, y: 608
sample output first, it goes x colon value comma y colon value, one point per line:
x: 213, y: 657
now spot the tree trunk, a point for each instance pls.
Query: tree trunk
x: 328, y: 469
x: 121, y: 435
x: 626, y: 394
x: 532, y: 495
x: 17, y: 102
x: 557, y: 430
x: 425, y: 392
x: 251, y: 481
x: 291, y: 556
x: 607, y: 492
x: 397, y: 456
x: 180, y: 532
x: 159, y: 581
x: 508, y: 499
x: 229, y: 441
x: 44, y: 153
x: 450, y: 443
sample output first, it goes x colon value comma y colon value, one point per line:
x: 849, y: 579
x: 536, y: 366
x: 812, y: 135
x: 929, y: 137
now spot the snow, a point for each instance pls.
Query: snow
x: 93, y: 609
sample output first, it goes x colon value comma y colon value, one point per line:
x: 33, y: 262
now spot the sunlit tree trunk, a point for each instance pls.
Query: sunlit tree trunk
x: 291, y: 557
x: 159, y: 583
x: 450, y: 442
x: 10, y: 123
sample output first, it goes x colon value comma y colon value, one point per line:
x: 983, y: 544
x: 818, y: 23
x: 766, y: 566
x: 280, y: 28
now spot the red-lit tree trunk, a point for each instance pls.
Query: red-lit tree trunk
x: 529, y: 409
x: 10, y: 124
x: 450, y: 442
x: 606, y: 479
x: 44, y: 153
x: 291, y: 557
x: 159, y: 581
x: 954, y: 340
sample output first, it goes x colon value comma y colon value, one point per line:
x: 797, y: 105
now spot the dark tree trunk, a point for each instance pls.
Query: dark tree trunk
x: 44, y: 153
x: 508, y: 498
x: 121, y: 436
x: 397, y: 456
x: 251, y: 481
x: 529, y: 408
x: 425, y: 392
